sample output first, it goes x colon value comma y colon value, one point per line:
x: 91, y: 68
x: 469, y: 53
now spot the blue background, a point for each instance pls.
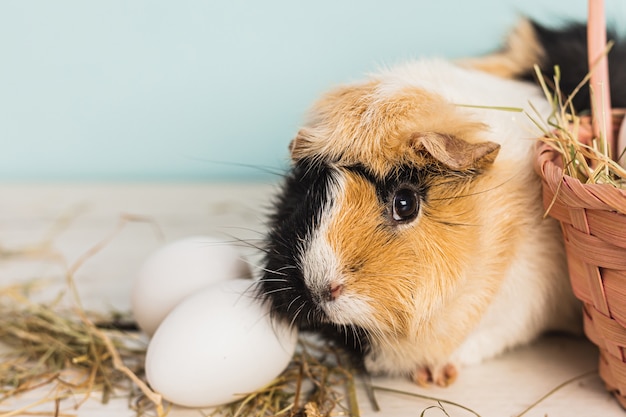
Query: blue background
x: 201, y: 90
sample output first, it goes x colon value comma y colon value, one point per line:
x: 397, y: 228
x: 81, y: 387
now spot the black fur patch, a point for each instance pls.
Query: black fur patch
x: 418, y: 178
x: 566, y: 48
x: 298, y: 211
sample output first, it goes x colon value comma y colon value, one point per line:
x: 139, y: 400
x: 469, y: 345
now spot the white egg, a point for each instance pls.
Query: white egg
x: 178, y: 269
x: 216, y: 346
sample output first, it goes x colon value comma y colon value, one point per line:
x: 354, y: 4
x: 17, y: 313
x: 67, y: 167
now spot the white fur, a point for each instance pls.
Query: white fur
x: 465, y: 87
x: 534, y: 298
x: 322, y: 269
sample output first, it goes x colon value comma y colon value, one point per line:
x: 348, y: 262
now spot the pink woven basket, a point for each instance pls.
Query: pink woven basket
x: 593, y: 222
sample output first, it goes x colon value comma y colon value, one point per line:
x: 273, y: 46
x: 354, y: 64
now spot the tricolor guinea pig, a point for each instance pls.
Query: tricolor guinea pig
x: 410, y: 227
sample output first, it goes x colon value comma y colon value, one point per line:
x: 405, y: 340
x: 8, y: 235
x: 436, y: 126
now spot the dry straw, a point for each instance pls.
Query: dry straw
x: 66, y: 350
x: 74, y: 353
x: 585, y: 157
x: 318, y: 382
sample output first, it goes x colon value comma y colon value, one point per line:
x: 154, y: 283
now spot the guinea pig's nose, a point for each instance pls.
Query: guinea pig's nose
x: 334, y: 291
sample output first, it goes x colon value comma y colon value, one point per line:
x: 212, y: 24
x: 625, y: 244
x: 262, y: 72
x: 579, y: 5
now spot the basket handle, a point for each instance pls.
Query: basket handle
x: 599, y: 82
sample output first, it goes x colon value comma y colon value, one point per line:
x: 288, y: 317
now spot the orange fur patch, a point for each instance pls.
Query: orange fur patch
x: 429, y: 281
x: 366, y: 247
x: 362, y: 124
x: 415, y: 273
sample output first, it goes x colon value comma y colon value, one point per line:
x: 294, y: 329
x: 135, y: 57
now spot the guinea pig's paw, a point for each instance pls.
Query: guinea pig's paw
x: 437, y: 375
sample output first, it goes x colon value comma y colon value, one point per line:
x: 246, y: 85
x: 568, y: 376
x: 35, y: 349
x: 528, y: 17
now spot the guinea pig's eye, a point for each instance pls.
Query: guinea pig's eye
x: 405, y: 205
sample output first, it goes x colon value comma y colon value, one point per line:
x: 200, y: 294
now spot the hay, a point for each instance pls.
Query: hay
x: 68, y: 350
x: 318, y: 382
x: 586, y: 156
x: 65, y: 350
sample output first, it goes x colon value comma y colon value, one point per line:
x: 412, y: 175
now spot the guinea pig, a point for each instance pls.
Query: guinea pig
x: 410, y: 226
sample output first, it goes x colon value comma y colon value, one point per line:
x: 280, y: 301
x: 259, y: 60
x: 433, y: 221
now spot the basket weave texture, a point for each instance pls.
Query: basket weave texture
x: 593, y: 222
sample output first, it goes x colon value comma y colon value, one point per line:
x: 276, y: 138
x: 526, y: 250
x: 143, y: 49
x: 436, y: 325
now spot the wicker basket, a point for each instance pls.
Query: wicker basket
x: 593, y: 221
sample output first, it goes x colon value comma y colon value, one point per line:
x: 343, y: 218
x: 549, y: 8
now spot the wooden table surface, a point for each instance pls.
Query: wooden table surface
x: 74, y: 217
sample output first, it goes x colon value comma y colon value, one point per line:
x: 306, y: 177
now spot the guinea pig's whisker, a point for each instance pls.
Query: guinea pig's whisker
x: 400, y: 278
x: 261, y: 233
x: 356, y: 337
x: 274, y: 291
x: 266, y: 169
x: 283, y: 268
x: 277, y: 271
x: 275, y: 280
x: 255, y: 247
x: 392, y: 320
x: 283, y: 242
x: 247, y: 243
x: 293, y: 301
x: 375, y: 330
x: 472, y: 194
x: 345, y: 331
x: 253, y: 289
x: 253, y: 266
x: 273, y: 253
x: 446, y: 223
x: 357, y: 342
x: 297, y: 313
x: 269, y: 271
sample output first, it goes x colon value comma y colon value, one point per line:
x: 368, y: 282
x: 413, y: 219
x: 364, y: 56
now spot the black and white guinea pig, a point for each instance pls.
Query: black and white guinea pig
x: 410, y: 226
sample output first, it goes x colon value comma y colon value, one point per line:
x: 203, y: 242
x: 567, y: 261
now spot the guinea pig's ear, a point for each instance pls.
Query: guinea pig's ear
x: 300, y: 145
x: 456, y: 153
